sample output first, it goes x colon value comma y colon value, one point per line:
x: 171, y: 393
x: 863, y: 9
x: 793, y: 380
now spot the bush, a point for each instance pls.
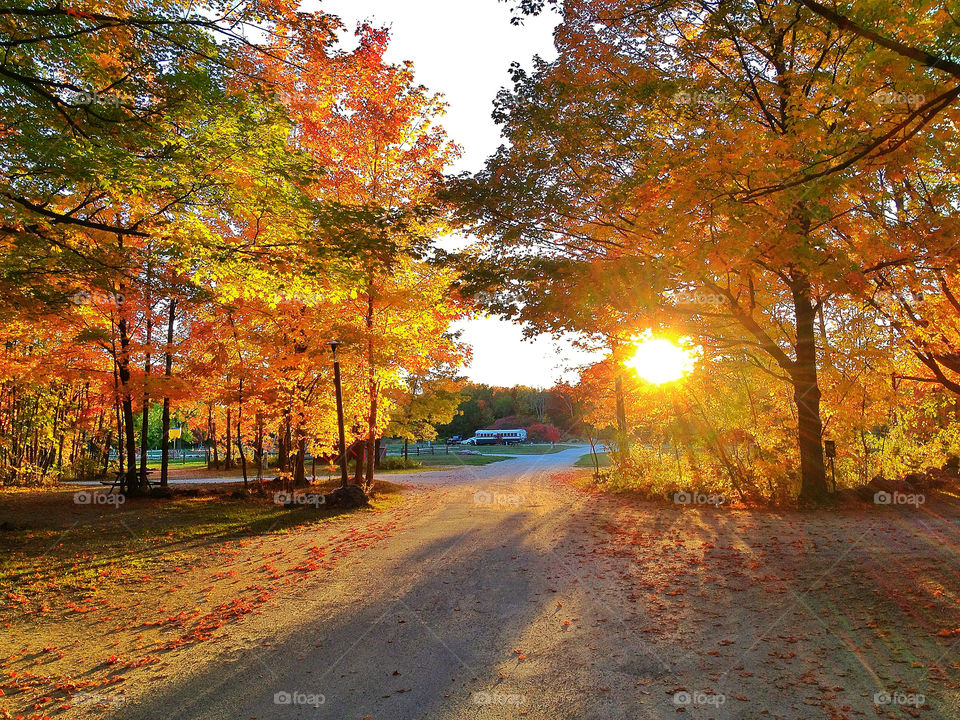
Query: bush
x: 543, y: 432
x: 26, y: 475
x: 399, y: 463
x: 85, y: 469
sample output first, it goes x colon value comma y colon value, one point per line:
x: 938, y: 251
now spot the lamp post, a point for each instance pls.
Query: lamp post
x: 344, y: 479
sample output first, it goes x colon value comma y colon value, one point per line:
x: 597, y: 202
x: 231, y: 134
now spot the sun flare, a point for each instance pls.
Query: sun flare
x: 659, y: 361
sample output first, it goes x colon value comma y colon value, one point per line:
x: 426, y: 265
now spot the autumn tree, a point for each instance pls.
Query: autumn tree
x: 424, y: 401
x: 685, y: 167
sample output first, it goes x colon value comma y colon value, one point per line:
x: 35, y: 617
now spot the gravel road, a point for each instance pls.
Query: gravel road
x: 506, y: 593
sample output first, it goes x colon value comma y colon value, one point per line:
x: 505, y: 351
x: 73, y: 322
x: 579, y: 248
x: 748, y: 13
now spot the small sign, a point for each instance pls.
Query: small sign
x: 830, y: 448
x: 176, y: 433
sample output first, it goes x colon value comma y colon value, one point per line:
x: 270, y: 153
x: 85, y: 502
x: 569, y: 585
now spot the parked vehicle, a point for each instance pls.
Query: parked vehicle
x: 497, y: 437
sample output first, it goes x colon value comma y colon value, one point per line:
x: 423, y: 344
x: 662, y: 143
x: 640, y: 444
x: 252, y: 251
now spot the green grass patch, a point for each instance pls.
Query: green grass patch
x: 49, y: 542
x: 424, y: 463
x: 544, y: 449
x: 603, y: 459
x: 173, y: 464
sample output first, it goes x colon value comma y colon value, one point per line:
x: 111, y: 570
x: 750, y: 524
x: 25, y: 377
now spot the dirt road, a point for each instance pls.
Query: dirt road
x: 509, y: 593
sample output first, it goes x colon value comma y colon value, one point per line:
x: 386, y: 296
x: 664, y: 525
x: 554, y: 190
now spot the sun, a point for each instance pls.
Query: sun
x: 659, y: 361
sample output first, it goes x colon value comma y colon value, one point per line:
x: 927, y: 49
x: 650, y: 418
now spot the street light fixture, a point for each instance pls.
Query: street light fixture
x: 344, y: 479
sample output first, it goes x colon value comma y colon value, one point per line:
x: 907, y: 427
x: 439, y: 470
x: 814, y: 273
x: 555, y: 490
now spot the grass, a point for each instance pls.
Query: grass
x: 198, y: 468
x: 191, y: 463
x: 437, y: 462
x: 603, y: 459
x: 48, y: 539
x: 520, y: 449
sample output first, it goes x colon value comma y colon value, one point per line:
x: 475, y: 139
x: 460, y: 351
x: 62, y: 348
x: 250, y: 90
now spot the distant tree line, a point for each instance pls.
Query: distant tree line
x: 545, y: 414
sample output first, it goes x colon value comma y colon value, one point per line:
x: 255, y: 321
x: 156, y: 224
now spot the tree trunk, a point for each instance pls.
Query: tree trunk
x: 371, y: 444
x: 283, y: 446
x: 121, y: 453
x: 215, y: 450
x: 167, y: 373
x: 240, y: 451
x: 228, y: 450
x: 132, y: 485
x: 358, y: 470
x: 623, y: 437
x: 372, y: 388
x: 593, y: 453
x: 299, y: 460
x: 259, y: 448
x: 145, y: 406
x: 806, y: 396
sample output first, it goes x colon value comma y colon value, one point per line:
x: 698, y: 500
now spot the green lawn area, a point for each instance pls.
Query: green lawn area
x: 49, y: 531
x: 435, y: 462
x: 538, y: 449
x: 191, y: 463
x: 603, y: 459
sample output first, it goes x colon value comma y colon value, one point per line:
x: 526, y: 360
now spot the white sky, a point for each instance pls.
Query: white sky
x: 463, y: 50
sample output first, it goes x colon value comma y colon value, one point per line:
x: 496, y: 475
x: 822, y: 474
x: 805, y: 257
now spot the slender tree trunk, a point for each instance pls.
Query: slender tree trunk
x: 228, y: 450
x: 240, y: 451
x: 283, y: 446
x: 287, y: 441
x: 358, y: 470
x: 406, y: 450
x: 371, y: 444
x: 259, y: 448
x: 806, y: 396
x: 299, y: 470
x: 215, y: 450
x: 121, y: 453
x: 145, y: 406
x: 123, y: 369
x: 623, y: 437
x: 593, y: 453
x: 167, y: 373
x: 373, y: 390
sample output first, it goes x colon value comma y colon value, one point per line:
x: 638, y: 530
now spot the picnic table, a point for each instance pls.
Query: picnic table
x: 118, y: 478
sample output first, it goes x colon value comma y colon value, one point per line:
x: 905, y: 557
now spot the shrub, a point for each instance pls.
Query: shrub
x: 543, y: 432
x: 84, y: 469
x: 399, y: 463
